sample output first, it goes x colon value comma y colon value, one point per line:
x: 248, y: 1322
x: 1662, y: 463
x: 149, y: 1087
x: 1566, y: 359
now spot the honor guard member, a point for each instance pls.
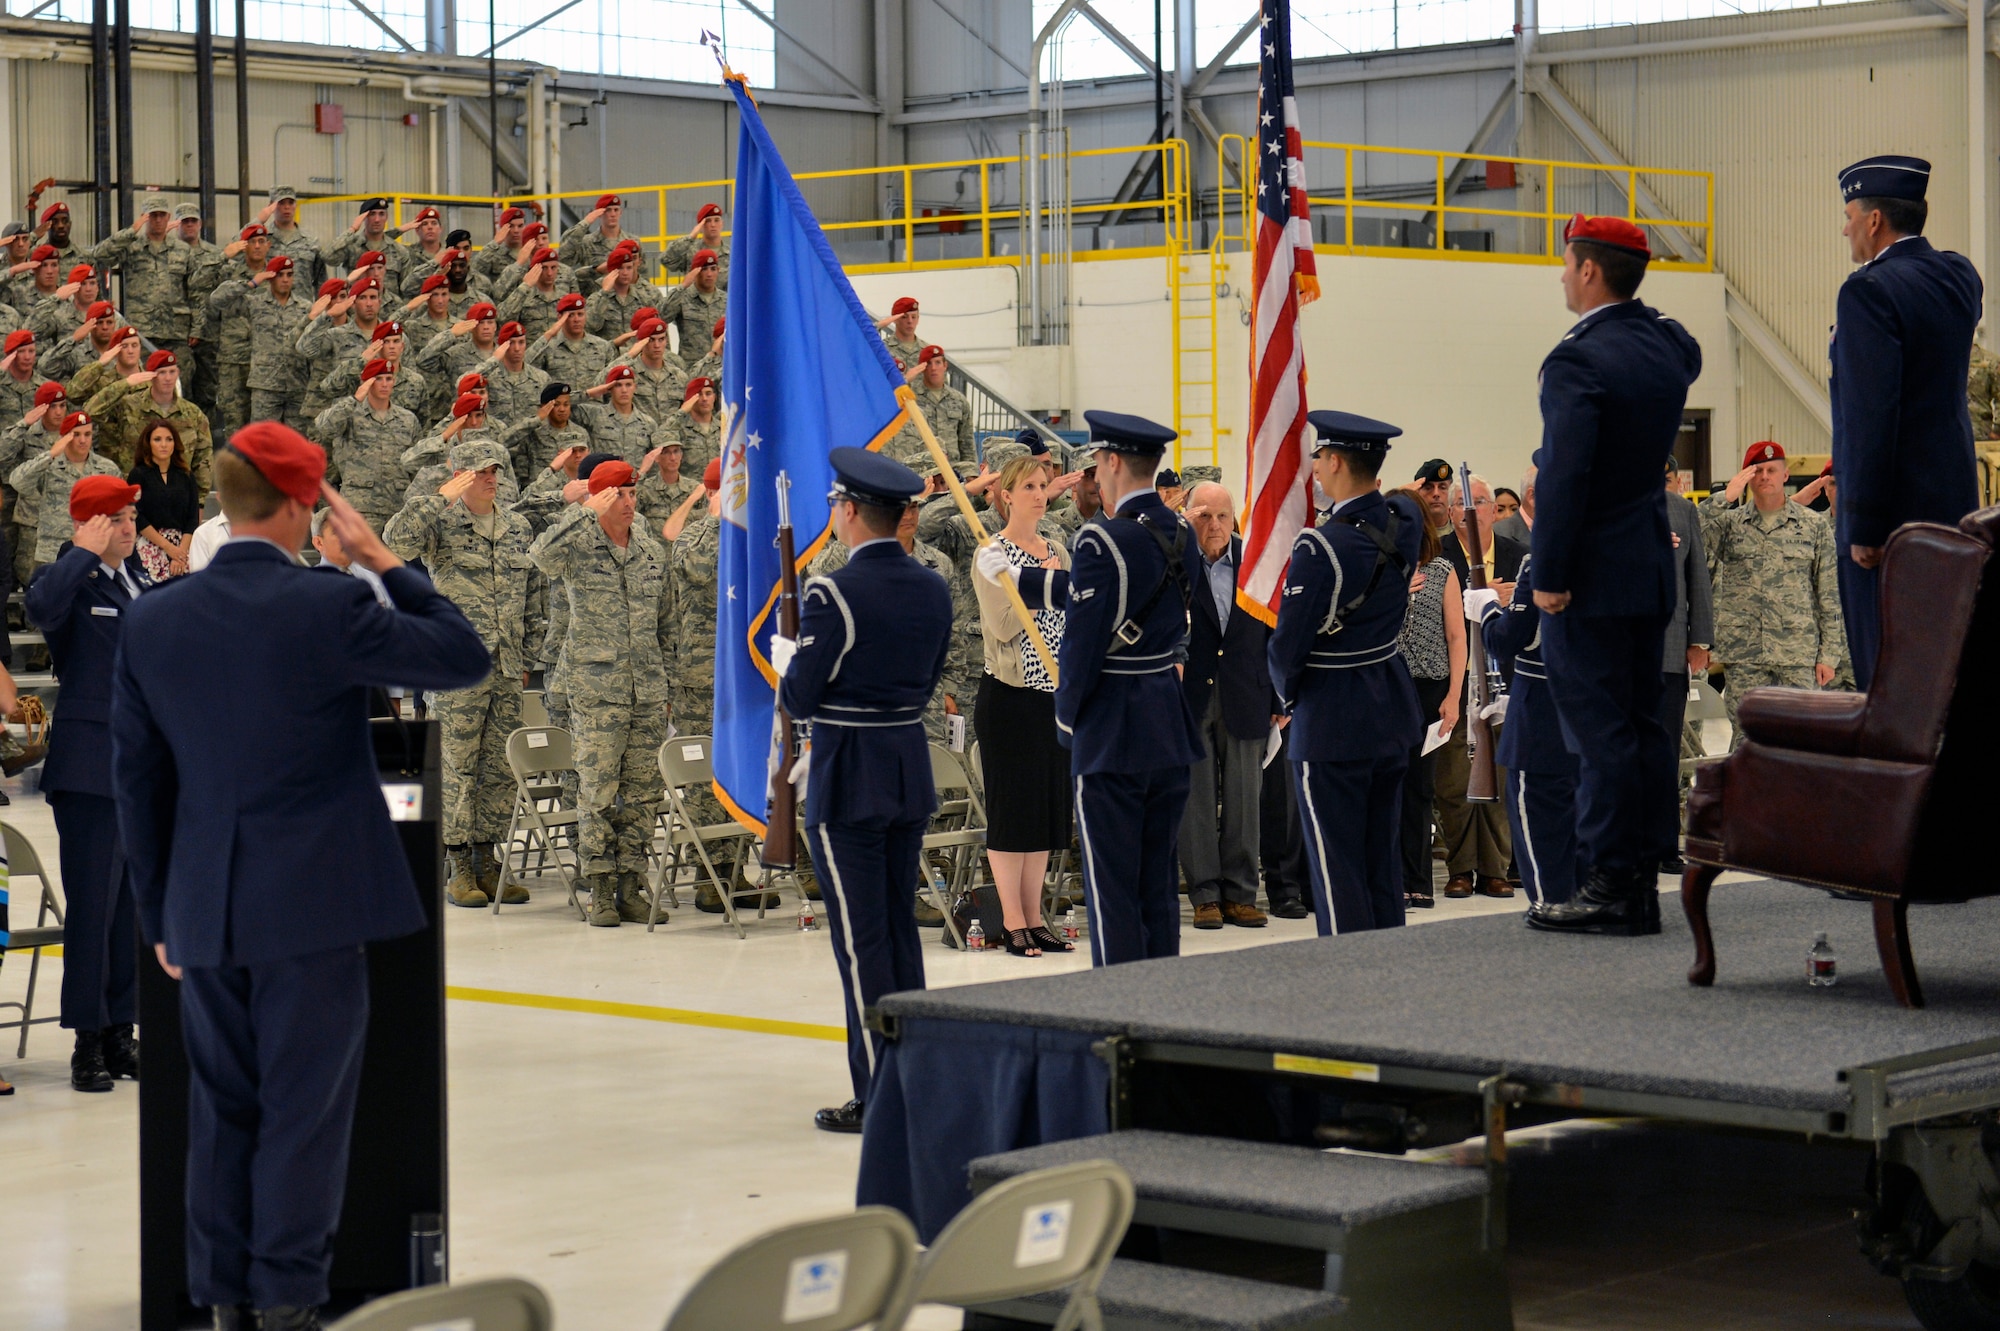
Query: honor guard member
x: 1541, y: 771
x: 263, y: 859
x: 1339, y: 671
x: 1119, y: 705
x: 871, y: 648
x: 78, y: 603
x: 1902, y: 341
x: 1613, y: 392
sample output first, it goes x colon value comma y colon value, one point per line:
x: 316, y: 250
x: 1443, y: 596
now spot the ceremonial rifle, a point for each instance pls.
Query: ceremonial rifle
x: 781, y: 827
x: 1483, y: 786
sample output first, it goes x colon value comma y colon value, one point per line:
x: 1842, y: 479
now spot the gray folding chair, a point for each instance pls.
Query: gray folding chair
x: 505, y: 1304
x: 538, y: 757
x: 1704, y: 704
x: 823, y: 1275
x: 1052, y: 1229
x: 23, y: 863
x: 685, y: 761
x: 957, y: 832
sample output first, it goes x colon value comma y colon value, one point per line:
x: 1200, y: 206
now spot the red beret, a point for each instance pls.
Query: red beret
x: 904, y: 305
x: 717, y: 330
x: 43, y: 253
x: 333, y: 286
x: 121, y: 335
x: 160, y: 359
x: 284, y: 457
x: 426, y: 214
x: 433, y: 282
x: 610, y: 474
x: 50, y: 392
x: 254, y: 230
x: 374, y: 369
x: 369, y: 260
x: 100, y: 309
x: 1615, y: 232
x: 695, y: 385
x: 100, y: 497
x: 82, y: 272
x: 711, y: 475
x: 509, y: 215
x: 362, y: 285
x: 929, y: 354
x: 468, y: 382
x: 533, y: 229
x: 74, y: 419
x: 703, y: 259
x: 387, y: 329
x: 483, y: 310
x: 626, y: 246
x: 643, y: 315
x: 708, y: 210
x: 510, y: 330
x: 279, y: 263
x: 467, y: 404
x: 542, y: 254
x: 617, y: 374
x: 17, y: 339
x: 1763, y: 451
x: 608, y: 200
x: 54, y: 208
x: 652, y: 327
x: 569, y: 303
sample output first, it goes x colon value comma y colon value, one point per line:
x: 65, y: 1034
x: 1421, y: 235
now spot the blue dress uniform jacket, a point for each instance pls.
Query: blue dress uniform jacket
x: 1541, y: 771
x: 246, y: 781
x: 1613, y: 391
x: 80, y: 610
x: 873, y: 637
x: 1902, y: 438
x: 1353, y: 705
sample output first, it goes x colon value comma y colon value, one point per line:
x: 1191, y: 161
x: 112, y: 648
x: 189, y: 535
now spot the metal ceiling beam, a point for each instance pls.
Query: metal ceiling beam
x: 563, y: 8
x: 1118, y: 39
x: 1199, y: 83
x: 1495, y: 117
x: 805, y: 49
x: 981, y: 38
x: 1644, y: 202
x: 376, y: 19
x: 1750, y: 326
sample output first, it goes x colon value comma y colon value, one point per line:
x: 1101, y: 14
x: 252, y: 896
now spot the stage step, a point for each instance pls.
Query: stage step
x: 1406, y: 1242
x: 1141, y: 1296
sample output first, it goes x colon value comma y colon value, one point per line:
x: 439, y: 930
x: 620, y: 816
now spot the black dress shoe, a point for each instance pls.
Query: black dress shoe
x: 1290, y: 908
x: 289, y: 1319
x: 233, y: 1319
x: 1673, y: 864
x: 121, y: 1053
x: 847, y: 1118
x: 86, y: 1064
x: 1613, y: 901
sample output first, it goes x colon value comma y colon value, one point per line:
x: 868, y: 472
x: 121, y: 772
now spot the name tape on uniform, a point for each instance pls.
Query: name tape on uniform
x: 814, y: 1288
x: 1044, y: 1233
x: 106, y: 610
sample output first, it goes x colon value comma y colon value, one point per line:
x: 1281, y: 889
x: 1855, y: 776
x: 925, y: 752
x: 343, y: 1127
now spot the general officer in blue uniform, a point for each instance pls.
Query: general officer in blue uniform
x: 871, y: 648
x: 1902, y: 439
x: 1541, y: 771
x: 79, y: 603
x: 1119, y: 704
x: 1613, y: 391
x: 263, y: 858
x: 1339, y: 672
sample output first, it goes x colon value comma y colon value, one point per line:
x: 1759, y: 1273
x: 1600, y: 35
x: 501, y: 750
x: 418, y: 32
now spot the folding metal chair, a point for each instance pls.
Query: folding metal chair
x: 685, y: 761
x: 504, y: 1304
x: 958, y: 830
x: 538, y: 756
x: 1052, y: 1229
x: 23, y: 862
x: 836, y: 1274
x: 1704, y: 704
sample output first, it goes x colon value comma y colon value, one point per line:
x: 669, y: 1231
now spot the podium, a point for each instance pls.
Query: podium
x: 396, y: 1170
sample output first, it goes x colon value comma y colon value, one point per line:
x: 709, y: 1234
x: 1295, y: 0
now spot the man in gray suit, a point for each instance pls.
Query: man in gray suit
x: 1689, y: 635
x: 1515, y: 525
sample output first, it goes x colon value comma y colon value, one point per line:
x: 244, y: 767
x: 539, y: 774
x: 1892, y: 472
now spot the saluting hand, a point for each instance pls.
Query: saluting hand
x: 576, y: 492
x: 15, y: 270
x: 363, y: 546
x: 601, y: 502
x: 341, y: 305
x: 651, y: 460
x: 455, y: 488
x: 94, y: 536
x: 597, y: 390
x: 139, y: 378
x: 608, y: 281
x: 1734, y: 490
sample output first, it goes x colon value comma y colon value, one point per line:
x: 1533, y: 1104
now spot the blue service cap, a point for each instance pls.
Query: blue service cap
x: 1031, y: 439
x: 1886, y: 177
x: 870, y: 478
x: 1355, y: 434
x: 590, y: 463
x: 1116, y: 432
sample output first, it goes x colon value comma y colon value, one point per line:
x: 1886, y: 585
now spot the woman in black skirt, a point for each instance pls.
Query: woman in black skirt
x: 169, y: 505
x: 1026, y: 766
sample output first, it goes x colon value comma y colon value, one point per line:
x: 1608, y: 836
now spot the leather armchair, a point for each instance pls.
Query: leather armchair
x: 1867, y: 793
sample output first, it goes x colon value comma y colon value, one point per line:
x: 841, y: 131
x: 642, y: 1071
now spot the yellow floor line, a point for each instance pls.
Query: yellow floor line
x: 802, y: 1030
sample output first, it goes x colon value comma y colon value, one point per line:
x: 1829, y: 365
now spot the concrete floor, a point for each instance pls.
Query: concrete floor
x: 612, y: 1155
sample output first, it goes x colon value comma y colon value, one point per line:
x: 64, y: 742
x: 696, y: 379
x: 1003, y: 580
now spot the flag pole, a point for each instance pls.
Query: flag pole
x: 950, y: 474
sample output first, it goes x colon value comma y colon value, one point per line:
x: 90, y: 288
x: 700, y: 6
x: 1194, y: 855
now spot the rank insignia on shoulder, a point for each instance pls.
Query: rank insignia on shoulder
x: 1295, y: 589
x: 1083, y: 595
x: 807, y: 641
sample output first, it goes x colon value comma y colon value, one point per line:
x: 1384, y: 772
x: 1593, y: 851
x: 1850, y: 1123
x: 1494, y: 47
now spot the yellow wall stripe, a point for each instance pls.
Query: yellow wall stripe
x: 800, y: 1030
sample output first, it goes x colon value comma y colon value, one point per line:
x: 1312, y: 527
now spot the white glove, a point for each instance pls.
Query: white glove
x: 1495, y: 712
x: 991, y: 561
x: 1479, y: 603
x: 782, y: 651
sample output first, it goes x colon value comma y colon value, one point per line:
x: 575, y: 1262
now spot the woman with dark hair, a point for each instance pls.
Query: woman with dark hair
x: 1434, y: 648
x: 169, y: 505
x: 1505, y: 504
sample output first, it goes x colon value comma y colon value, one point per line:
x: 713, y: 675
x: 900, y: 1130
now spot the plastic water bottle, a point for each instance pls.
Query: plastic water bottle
x: 1070, y: 932
x: 975, y: 938
x: 808, y: 921
x: 1820, y: 964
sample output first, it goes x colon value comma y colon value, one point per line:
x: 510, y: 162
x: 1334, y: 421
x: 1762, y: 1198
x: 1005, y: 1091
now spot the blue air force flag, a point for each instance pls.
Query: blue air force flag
x: 803, y: 372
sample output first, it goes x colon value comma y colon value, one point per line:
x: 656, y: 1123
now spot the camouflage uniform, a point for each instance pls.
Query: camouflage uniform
x: 303, y: 250
x: 482, y: 565
x: 418, y: 264
x: 207, y: 269
x: 700, y: 444
x: 681, y: 251
x: 534, y: 309
x: 351, y: 245
x: 17, y: 396
x: 1777, y: 604
x: 510, y: 277
x: 584, y: 247
x: 950, y: 417
x: 533, y: 445
x: 906, y: 353
x: 614, y: 667
x: 513, y: 396
x: 541, y: 502
x: 428, y: 465
x: 366, y: 449
x: 658, y: 498
x: 119, y: 409
x: 43, y: 483
x: 694, y: 592
x: 154, y: 282
x: 325, y: 344
x: 1982, y: 385
x: 491, y: 260
x: 86, y: 382
x: 445, y: 360
x: 694, y: 313
x: 658, y: 392
x: 578, y: 362
x: 20, y: 442
x: 630, y: 435
x: 608, y: 313
x: 412, y: 391
x: 277, y: 369
x: 226, y: 327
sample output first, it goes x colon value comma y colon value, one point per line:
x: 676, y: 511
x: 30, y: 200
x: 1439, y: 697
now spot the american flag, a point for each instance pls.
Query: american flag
x: 1280, y: 478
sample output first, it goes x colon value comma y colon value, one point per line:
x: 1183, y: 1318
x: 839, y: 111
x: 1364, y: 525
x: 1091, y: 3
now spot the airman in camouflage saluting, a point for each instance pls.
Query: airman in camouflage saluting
x: 154, y: 265
x: 513, y: 387
x: 697, y: 426
x: 899, y: 331
x: 43, y: 483
x: 707, y: 235
x: 661, y: 376
x: 944, y: 407
x: 427, y: 462
x: 537, y: 302
x: 386, y: 344
x: 616, y: 425
x: 365, y: 436
x: 535, y: 442
x: 122, y: 407
x: 621, y: 293
x: 226, y: 324
x: 695, y: 305
x: 565, y: 352
x: 278, y: 369
x: 586, y: 245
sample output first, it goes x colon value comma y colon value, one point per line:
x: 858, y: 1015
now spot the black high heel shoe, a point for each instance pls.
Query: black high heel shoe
x: 1048, y: 941
x: 1020, y: 943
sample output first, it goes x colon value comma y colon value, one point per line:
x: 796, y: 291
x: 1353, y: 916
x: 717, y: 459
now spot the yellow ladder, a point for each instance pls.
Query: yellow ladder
x: 1200, y: 284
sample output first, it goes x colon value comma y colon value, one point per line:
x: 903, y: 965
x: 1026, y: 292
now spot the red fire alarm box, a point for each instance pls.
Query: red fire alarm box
x: 329, y: 118
x: 1499, y: 175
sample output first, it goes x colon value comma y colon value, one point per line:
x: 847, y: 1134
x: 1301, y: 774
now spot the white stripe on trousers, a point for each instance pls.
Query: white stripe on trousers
x: 1089, y: 881
x: 847, y: 939
x: 1535, y: 895
x: 1325, y: 885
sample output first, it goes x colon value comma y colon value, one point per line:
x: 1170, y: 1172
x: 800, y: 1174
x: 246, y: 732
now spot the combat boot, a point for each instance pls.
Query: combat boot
x: 633, y: 907
x: 463, y: 888
x: 603, y: 911
x: 1612, y: 901
x: 486, y: 872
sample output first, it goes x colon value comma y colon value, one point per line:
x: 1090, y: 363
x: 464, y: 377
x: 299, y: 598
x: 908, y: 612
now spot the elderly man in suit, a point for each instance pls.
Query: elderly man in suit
x: 1690, y: 634
x: 1228, y: 688
x: 263, y: 859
